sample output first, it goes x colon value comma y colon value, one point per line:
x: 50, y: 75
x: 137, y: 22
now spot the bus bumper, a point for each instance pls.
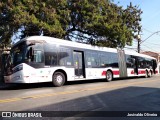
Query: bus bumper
x: 15, y: 79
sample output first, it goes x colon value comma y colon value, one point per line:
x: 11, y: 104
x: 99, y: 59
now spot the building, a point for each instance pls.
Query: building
x: 153, y: 54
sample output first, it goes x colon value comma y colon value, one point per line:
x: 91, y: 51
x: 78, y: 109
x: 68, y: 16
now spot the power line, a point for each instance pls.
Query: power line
x: 140, y: 42
x: 149, y: 37
x: 153, y: 43
x: 150, y: 48
x: 147, y: 30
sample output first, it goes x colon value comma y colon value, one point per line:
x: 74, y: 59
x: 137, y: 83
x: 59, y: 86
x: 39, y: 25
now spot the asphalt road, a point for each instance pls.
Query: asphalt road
x: 78, y: 98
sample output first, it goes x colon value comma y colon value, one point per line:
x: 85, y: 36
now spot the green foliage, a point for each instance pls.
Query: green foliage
x: 96, y: 22
x: 100, y: 22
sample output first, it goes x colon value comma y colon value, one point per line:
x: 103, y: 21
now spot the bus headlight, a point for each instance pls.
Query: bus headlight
x: 18, y: 68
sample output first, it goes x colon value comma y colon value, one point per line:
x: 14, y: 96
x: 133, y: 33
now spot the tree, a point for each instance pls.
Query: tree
x: 32, y: 17
x: 5, y: 25
x: 96, y: 22
x: 100, y: 22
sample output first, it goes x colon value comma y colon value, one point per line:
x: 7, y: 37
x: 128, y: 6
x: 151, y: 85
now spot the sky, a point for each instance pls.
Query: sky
x: 150, y: 23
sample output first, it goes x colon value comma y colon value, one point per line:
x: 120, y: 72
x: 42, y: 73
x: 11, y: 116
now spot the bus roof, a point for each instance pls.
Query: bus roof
x: 138, y: 54
x: 52, y: 40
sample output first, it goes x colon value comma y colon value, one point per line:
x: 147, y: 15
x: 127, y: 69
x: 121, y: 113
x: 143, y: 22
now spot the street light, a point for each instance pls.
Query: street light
x: 149, y: 36
x: 140, y: 42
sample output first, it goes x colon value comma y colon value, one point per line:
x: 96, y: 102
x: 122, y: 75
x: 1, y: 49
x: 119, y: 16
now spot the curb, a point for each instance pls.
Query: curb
x: 3, y: 85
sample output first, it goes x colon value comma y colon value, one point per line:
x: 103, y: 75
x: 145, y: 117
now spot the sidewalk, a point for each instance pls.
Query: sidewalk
x: 158, y: 74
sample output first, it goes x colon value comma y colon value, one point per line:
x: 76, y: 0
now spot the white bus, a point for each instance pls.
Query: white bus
x: 47, y: 59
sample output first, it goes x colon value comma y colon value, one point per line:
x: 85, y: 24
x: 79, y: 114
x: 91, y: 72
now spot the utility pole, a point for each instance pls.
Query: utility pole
x: 139, y: 42
x: 138, y: 47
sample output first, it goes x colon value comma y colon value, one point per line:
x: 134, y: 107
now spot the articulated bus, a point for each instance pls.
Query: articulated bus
x: 47, y: 59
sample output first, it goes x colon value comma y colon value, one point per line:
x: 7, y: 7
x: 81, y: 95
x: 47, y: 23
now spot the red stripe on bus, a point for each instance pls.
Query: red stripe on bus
x: 132, y: 72
x: 104, y: 73
x: 141, y: 72
x: 116, y: 72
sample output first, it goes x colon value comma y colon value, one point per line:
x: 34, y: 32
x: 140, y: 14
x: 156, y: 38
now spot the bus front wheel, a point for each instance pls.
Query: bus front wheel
x: 58, y: 79
x: 109, y: 76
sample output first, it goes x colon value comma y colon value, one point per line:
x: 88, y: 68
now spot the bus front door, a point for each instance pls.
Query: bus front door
x: 79, y: 64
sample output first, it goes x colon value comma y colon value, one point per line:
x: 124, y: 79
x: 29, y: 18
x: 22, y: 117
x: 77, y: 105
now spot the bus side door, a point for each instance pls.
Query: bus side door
x: 78, y: 57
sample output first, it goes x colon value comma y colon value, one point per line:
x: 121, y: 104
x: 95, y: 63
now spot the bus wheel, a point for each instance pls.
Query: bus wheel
x: 146, y: 74
x: 109, y: 76
x: 150, y: 74
x: 58, y: 79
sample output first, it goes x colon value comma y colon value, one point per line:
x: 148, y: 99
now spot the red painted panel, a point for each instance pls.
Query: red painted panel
x: 132, y: 72
x: 104, y: 73
x: 116, y: 72
x: 141, y: 72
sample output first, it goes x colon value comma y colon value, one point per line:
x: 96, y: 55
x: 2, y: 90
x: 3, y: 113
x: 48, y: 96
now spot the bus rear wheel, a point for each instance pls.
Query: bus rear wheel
x: 146, y: 74
x: 150, y: 74
x: 58, y: 79
x: 109, y: 76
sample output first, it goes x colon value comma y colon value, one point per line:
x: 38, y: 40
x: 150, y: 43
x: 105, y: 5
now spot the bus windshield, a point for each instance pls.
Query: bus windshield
x: 18, y: 53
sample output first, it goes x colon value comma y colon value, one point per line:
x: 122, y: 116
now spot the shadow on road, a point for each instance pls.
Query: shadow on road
x: 24, y: 86
x: 49, y: 84
x: 115, y: 103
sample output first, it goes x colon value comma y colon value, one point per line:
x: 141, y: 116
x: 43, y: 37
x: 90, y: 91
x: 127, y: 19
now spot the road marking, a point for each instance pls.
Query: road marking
x: 70, y: 92
x: 10, y: 100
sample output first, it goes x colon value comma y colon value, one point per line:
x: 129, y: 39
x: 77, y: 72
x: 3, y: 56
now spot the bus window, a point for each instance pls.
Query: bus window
x: 37, y: 56
x: 109, y: 59
x: 113, y: 60
x: 50, y: 58
x: 50, y: 52
x: 65, y: 56
x: 130, y: 61
x: 91, y: 59
x: 104, y: 60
